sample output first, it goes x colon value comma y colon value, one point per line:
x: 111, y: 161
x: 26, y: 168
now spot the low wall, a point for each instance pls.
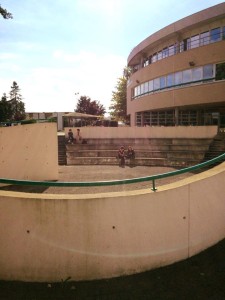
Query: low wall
x: 46, y: 237
x: 146, y: 132
x: 29, y: 152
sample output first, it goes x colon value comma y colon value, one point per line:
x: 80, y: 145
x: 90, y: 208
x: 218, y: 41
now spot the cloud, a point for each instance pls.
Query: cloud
x: 53, y: 89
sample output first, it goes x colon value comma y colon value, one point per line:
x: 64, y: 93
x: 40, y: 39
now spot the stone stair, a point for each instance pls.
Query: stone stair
x: 149, y: 152
x: 61, y: 150
x: 216, y: 147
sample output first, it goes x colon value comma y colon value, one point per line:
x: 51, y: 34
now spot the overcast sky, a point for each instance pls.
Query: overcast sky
x: 56, y: 48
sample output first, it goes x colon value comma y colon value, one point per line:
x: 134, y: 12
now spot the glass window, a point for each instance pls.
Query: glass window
x: 223, y: 34
x: 178, y: 78
x: 150, y: 59
x: 170, y: 81
x: 142, y: 88
x: 194, y: 41
x: 146, y: 87
x: 146, y: 62
x: 156, y: 84
x: 196, y: 74
x: 159, y: 55
x: 204, y: 38
x: 150, y: 85
x: 138, y: 119
x: 165, y: 52
x: 154, y: 57
x: 138, y: 90
x: 186, y: 76
x: 220, y: 71
x: 182, y: 46
x: 208, y: 71
x: 171, y: 50
x: 215, y: 35
x: 162, y: 82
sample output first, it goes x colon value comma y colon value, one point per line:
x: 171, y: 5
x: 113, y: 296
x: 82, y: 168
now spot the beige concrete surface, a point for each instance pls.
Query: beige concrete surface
x: 29, y: 152
x: 51, y: 237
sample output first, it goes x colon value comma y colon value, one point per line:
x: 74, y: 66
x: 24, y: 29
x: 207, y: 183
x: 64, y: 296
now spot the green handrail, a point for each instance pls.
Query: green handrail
x: 114, y: 182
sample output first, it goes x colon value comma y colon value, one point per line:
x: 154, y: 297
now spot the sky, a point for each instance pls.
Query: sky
x: 59, y: 50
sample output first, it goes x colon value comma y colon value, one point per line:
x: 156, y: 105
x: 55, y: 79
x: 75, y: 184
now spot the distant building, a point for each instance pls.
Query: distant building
x: 178, y: 73
x: 47, y: 115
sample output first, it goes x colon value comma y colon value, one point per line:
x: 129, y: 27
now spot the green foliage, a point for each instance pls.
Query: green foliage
x: 220, y: 71
x: 5, y: 14
x: 118, y: 107
x: 86, y: 106
x: 18, y: 107
x: 13, y: 109
x: 30, y: 121
x: 5, y: 109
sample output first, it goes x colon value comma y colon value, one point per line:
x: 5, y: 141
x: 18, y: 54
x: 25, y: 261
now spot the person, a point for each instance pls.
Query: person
x: 70, y: 136
x: 78, y: 137
x: 130, y: 155
x: 121, y: 156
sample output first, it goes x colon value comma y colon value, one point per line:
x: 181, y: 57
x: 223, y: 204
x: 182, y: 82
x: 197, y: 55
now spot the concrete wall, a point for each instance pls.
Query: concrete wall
x: 146, y: 132
x: 29, y: 152
x: 46, y: 237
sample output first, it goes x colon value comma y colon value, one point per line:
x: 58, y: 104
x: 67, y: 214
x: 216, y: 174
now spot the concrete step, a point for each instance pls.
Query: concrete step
x: 139, y: 154
x: 168, y: 147
x: 137, y: 161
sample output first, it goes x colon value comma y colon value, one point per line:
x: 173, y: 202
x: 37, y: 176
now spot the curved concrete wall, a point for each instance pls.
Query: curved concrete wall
x: 46, y: 237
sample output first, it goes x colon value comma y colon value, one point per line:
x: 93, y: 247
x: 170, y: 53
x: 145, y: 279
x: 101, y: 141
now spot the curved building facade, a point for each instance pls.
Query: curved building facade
x: 178, y: 73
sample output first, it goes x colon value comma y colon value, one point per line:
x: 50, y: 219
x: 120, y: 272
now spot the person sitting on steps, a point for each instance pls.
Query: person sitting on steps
x: 130, y: 155
x: 121, y: 156
x: 70, y: 137
x: 78, y: 137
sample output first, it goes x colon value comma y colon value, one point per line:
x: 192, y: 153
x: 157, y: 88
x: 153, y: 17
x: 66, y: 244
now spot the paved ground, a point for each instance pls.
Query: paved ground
x: 200, y: 277
x: 103, y: 173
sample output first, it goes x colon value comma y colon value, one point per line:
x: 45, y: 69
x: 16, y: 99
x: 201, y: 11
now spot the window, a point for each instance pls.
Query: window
x: 170, y: 81
x: 185, y: 45
x: 204, y: 38
x: 146, y: 62
x: 215, y: 35
x: 196, y: 74
x: 223, y: 33
x: 165, y: 52
x: 171, y: 50
x: 156, y: 84
x: 150, y: 85
x: 138, y: 90
x: 138, y: 119
x: 135, y: 91
x: 194, y: 41
x: 162, y: 82
x: 142, y: 88
x: 186, y: 76
x: 154, y: 57
x: 220, y: 71
x: 207, y: 71
x: 146, y: 87
x: 178, y: 78
x: 159, y: 55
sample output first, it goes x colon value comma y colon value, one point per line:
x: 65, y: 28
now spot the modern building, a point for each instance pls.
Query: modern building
x: 178, y: 73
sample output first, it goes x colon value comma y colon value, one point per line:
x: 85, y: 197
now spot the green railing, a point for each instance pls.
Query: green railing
x: 152, y: 178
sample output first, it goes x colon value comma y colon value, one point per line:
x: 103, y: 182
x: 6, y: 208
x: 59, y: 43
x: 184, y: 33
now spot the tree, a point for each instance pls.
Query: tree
x: 17, y: 105
x: 5, y: 109
x: 5, y: 14
x: 118, y: 105
x: 87, y: 106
